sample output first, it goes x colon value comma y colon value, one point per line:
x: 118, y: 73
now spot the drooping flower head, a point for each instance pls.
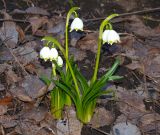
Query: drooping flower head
x: 77, y: 24
x: 45, y: 53
x: 59, y: 61
x: 110, y: 36
x: 53, y: 54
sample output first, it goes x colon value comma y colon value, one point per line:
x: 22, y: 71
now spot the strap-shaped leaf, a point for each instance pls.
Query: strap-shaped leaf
x: 105, y: 77
x: 69, y: 90
x: 83, y: 83
x: 89, y: 90
x: 57, y: 102
x: 112, y: 78
x: 95, y: 96
x: 92, y: 92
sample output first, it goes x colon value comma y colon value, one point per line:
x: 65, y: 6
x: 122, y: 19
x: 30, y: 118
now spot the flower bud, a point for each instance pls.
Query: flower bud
x: 59, y: 61
x: 77, y: 24
x: 45, y: 53
x: 110, y: 36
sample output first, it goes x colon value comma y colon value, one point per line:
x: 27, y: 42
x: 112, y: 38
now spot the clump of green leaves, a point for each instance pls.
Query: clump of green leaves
x: 71, y: 85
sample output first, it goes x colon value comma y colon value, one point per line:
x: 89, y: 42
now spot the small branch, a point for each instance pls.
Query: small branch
x: 14, y: 20
x: 100, y: 131
x: 97, y: 19
x: 127, y: 14
x: 2, y: 130
x: 4, y: 4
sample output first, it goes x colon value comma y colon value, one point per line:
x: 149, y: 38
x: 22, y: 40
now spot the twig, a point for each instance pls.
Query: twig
x: 14, y: 20
x: 127, y: 14
x: 4, y: 4
x: 51, y: 130
x: 97, y: 19
x: 2, y: 130
x: 143, y: 61
x: 105, y: 133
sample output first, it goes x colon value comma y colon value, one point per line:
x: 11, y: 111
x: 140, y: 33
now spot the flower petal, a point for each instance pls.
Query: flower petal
x: 110, y: 36
x: 53, y: 55
x: 59, y: 61
x: 77, y: 24
x: 45, y: 53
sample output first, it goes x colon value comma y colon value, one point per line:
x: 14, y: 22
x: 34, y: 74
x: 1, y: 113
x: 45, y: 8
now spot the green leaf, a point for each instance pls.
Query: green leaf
x: 88, y: 111
x: 67, y: 89
x: 57, y: 103
x: 83, y: 83
x: 105, y: 77
x: 112, y: 78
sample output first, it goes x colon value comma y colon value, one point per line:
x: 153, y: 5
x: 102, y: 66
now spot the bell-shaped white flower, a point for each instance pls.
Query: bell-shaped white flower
x: 77, y: 24
x: 53, y: 54
x: 59, y: 61
x: 110, y: 36
x: 45, y: 53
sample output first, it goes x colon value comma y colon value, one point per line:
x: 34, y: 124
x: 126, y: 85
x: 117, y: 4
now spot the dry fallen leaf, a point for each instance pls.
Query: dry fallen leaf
x: 29, y: 89
x: 78, y: 54
x: 35, y: 113
x: 101, y: 118
x: 32, y: 10
x: 31, y: 68
x: 3, y: 109
x: 131, y: 5
x: 34, y: 86
x: 137, y: 27
x: 12, y: 77
x: 21, y: 34
x: 89, y: 42
x: 134, y: 65
x: 5, y: 54
x: 8, y: 121
x: 25, y: 54
x: 4, y: 67
x: 8, y: 32
x: 37, y: 22
x: 20, y: 93
x: 29, y: 128
x: 130, y: 103
x: 72, y: 127
x: 5, y: 100
x: 150, y: 122
x: 144, y: 56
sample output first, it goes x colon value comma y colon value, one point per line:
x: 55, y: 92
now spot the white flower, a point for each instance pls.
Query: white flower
x: 59, y: 61
x: 45, y: 53
x: 53, y: 54
x: 77, y: 24
x: 110, y: 36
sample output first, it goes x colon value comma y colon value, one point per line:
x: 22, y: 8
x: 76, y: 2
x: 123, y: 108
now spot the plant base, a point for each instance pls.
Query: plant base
x: 69, y: 125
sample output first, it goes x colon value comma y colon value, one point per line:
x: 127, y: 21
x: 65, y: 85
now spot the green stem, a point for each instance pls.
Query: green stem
x: 51, y: 39
x: 103, y: 24
x: 54, y: 71
x: 72, y: 10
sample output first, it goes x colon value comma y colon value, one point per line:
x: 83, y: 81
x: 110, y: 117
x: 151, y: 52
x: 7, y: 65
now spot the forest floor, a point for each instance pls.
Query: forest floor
x: 25, y: 99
